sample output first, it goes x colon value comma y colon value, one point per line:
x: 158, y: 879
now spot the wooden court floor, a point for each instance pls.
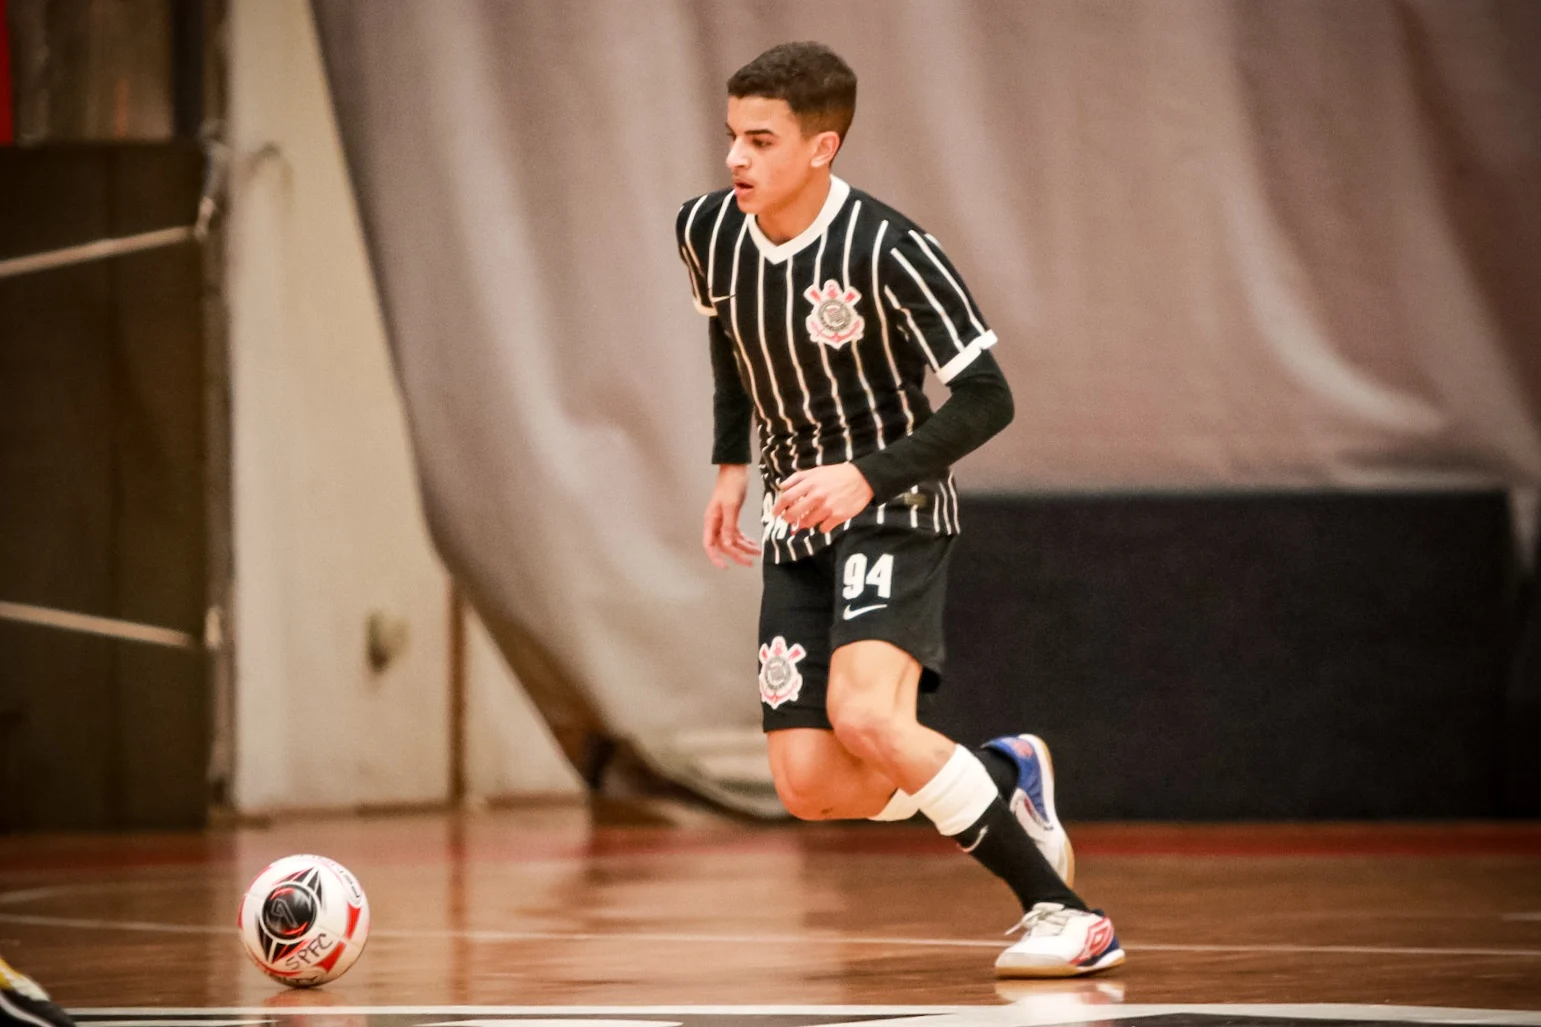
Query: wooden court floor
x: 666, y: 906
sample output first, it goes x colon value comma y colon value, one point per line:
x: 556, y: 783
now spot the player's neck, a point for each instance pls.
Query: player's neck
x: 792, y: 218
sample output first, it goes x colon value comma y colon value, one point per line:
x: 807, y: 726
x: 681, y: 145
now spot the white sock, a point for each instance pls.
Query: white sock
x: 901, y: 806
x: 959, y: 793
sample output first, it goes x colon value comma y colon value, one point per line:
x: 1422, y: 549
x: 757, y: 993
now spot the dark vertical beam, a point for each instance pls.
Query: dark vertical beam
x: 457, y: 696
x: 7, y: 124
x: 218, y: 502
x: 187, y: 67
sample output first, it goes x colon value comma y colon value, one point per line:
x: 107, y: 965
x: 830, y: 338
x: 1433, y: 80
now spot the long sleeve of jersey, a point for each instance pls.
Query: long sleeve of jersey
x: 731, y: 408
x: 979, y: 407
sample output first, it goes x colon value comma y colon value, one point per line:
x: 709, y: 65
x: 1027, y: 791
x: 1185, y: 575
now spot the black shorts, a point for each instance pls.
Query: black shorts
x: 874, y: 582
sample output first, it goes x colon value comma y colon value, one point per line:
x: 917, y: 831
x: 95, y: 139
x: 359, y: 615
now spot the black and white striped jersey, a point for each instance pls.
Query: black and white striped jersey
x: 832, y: 333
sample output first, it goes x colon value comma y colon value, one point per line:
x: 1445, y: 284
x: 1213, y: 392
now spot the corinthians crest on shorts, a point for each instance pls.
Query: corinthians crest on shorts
x: 834, y: 320
x: 780, y: 680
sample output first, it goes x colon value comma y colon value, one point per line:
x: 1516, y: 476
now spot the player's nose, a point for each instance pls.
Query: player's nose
x: 737, y: 158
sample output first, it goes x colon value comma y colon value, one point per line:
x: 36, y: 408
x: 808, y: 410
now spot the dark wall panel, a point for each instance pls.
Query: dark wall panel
x: 102, y: 491
x: 1522, y: 794
x: 1250, y: 656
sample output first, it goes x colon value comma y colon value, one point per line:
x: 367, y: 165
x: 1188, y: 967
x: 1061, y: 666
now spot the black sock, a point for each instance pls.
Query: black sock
x: 1002, y: 768
x: 999, y: 842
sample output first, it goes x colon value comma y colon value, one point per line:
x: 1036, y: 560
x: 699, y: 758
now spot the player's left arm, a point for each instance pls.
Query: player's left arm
x: 978, y: 408
x: 937, y: 314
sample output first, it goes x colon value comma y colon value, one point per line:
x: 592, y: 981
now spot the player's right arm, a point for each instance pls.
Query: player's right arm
x: 720, y: 534
x: 731, y: 414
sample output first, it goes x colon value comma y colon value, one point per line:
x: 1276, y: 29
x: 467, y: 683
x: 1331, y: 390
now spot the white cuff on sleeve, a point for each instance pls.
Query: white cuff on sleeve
x: 966, y: 356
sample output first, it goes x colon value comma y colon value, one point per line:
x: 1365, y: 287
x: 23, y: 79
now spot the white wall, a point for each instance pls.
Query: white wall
x: 509, y: 749
x: 327, y: 523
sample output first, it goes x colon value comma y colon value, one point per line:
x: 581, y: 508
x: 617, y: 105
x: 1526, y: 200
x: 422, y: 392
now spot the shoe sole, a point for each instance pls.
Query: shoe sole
x: 1048, y: 804
x: 1109, y: 960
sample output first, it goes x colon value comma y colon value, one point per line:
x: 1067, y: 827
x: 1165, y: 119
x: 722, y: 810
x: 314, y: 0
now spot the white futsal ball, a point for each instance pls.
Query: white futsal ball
x: 304, y: 920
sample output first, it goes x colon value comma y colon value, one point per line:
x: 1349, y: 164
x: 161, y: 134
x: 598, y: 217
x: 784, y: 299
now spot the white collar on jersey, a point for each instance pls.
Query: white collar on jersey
x: 838, y: 191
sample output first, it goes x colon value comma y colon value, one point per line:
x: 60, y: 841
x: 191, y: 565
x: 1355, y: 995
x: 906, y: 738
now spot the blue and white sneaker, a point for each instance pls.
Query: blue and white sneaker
x: 1033, y: 801
x: 1061, y: 942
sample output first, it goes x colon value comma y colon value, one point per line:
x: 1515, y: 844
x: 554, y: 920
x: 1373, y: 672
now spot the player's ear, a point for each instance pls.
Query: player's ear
x: 825, y: 146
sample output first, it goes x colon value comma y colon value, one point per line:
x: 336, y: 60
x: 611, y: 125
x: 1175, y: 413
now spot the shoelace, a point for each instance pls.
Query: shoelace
x: 1050, y: 921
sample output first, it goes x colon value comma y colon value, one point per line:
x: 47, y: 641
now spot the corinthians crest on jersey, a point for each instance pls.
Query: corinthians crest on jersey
x: 835, y: 320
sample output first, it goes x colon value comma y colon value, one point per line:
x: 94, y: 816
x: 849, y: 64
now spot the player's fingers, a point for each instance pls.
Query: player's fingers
x: 791, y: 492
x: 732, y: 543
x: 742, y: 544
x: 831, y: 514
x: 811, y: 511
x: 712, y: 535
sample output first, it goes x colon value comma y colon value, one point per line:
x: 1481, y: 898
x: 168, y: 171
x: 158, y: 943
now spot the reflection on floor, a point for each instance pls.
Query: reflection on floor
x: 553, y: 914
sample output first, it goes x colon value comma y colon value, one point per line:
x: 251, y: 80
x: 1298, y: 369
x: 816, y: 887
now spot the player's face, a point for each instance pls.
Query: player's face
x: 771, y: 161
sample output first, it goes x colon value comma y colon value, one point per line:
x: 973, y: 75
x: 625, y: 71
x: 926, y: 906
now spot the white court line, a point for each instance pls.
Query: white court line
x: 108, y: 626
x: 1367, y: 950
x: 502, y: 1021
x: 113, y: 925
x: 94, y: 251
x: 764, y: 939
x: 158, y: 1020
x: 163, y: 882
x: 704, y: 1010
x: 1020, y: 1014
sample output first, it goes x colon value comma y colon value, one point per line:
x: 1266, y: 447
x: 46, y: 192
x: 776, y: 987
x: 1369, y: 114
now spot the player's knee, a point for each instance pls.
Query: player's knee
x: 803, y: 792
x: 869, y: 732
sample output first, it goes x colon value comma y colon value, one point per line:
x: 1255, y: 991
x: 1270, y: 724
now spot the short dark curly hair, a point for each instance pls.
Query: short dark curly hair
x: 813, y: 80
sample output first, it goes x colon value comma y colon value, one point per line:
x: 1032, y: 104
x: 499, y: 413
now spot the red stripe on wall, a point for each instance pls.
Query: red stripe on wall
x: 6, y: 127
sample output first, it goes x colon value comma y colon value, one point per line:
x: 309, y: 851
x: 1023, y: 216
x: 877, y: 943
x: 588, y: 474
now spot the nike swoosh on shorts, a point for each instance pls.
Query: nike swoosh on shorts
x: 850, y: 614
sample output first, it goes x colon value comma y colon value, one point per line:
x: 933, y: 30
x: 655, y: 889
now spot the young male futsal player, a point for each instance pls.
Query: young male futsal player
x: 827, y: 309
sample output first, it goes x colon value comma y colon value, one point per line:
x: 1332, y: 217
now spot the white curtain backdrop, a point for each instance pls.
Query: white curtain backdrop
x: 1224, y: 244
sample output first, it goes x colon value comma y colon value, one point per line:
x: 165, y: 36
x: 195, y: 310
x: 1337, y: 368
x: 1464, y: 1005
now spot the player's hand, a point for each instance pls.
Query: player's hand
x: 823, y: 497
x: 720, y: 536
